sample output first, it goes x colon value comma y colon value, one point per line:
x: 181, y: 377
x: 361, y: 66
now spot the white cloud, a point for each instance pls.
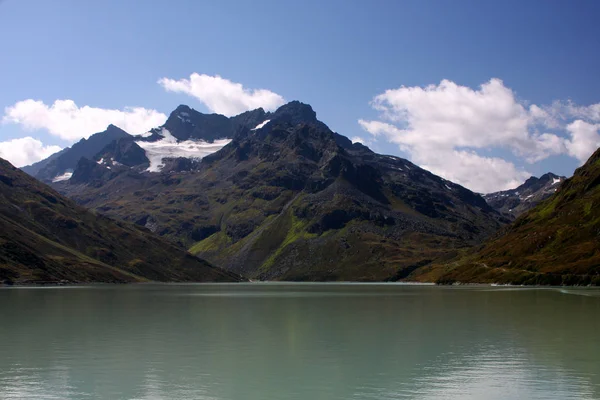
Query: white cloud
x: 25, y: 151
x: 471, y: 170
x: 223, y: 96
x: 591, y: 112
x: 584, y: 139
x: 443, y: 127
x: 358, y: 139
x: 68, y: 121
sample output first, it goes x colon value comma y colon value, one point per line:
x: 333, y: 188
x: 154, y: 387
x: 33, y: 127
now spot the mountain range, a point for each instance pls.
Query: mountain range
x: 255, y: 192
x: 280, y: 196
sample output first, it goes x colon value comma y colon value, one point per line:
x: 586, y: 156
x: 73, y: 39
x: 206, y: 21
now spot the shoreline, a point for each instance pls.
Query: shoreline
x: 383, y: 283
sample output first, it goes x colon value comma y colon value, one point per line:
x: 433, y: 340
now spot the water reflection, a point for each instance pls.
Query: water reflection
x: 299, y: 342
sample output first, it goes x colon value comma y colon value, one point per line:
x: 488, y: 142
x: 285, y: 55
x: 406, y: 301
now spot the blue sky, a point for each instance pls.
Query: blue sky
x: 337, y: 56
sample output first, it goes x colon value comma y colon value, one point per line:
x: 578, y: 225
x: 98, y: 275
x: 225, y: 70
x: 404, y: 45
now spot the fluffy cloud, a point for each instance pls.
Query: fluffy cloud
x: 25, y: 151
x: 68, y: 121
x: 443, y: 127
x: 584, y: 139
x: 223, y: 96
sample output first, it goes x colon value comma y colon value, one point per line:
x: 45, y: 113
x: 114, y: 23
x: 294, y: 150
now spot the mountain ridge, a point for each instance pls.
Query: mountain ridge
x: 66, y: 159
x: 515, y: 202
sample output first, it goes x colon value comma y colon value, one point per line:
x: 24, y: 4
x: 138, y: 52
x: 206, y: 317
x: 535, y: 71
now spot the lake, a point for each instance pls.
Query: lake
x: 299, y: 341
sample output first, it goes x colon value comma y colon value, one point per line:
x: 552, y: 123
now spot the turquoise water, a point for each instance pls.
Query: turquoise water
x: 299, y: 341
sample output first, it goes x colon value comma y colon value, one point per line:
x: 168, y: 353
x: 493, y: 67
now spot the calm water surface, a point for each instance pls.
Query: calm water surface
x: 299, y: 341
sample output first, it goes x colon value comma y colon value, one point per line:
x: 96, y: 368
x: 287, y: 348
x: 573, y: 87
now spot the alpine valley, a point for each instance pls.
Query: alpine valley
x: 280, y: 196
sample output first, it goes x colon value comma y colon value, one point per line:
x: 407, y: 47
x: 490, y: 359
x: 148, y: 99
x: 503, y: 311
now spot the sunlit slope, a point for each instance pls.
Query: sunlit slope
x: 557, y: 242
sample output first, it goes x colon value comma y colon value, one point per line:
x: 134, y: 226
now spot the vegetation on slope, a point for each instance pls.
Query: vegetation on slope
x: 45, y: 237
x: 555, y: 243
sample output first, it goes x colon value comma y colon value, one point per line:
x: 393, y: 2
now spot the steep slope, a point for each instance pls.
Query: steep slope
x: 35, y: 168
x: 290, y: 199
x: 60, y: 165
x: 515, y: 202
x: 45, y: 237
x: 557, y: 242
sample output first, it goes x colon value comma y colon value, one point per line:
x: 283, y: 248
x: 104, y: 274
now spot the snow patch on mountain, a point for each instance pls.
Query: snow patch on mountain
x: 169, y: 147
x: 262, y: 124
x: 183, y: 118
x: 64, y: 177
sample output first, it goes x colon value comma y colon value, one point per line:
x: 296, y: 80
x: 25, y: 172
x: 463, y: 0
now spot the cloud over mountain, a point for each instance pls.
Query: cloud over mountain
x: 446, y: 128
x: 25, y: 151
x: 223, y: 96
x: 70, y: 122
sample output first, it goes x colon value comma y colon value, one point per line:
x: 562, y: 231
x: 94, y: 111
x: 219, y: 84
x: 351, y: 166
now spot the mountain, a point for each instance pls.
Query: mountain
x: 34, y: 169
x: 515, y: 202
x: 59, y: 166
x: 185, y: 123
x: 288, y: 199
x: 178, y: 145
x: 45, y: 237
x: 557, y: 242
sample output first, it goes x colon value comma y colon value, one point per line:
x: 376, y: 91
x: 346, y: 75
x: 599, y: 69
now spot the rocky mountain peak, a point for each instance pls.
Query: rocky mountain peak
x: 516, y: 201
x: 549, y: 177
x: 183, y: 107
x: 113, y: 128
x: 296, y: 112
x: 530, y: 182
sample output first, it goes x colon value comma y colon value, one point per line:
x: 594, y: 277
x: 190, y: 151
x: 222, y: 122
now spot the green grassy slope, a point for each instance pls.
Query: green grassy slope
x: 557, y: 242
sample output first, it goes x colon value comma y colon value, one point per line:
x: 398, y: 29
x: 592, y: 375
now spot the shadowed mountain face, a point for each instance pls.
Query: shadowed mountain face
x: 515, y: 202
x: 288, y: 198
x: 186, y: 123
x: 557, y: 242
x: 67, y: 159
x: 45, y: 237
